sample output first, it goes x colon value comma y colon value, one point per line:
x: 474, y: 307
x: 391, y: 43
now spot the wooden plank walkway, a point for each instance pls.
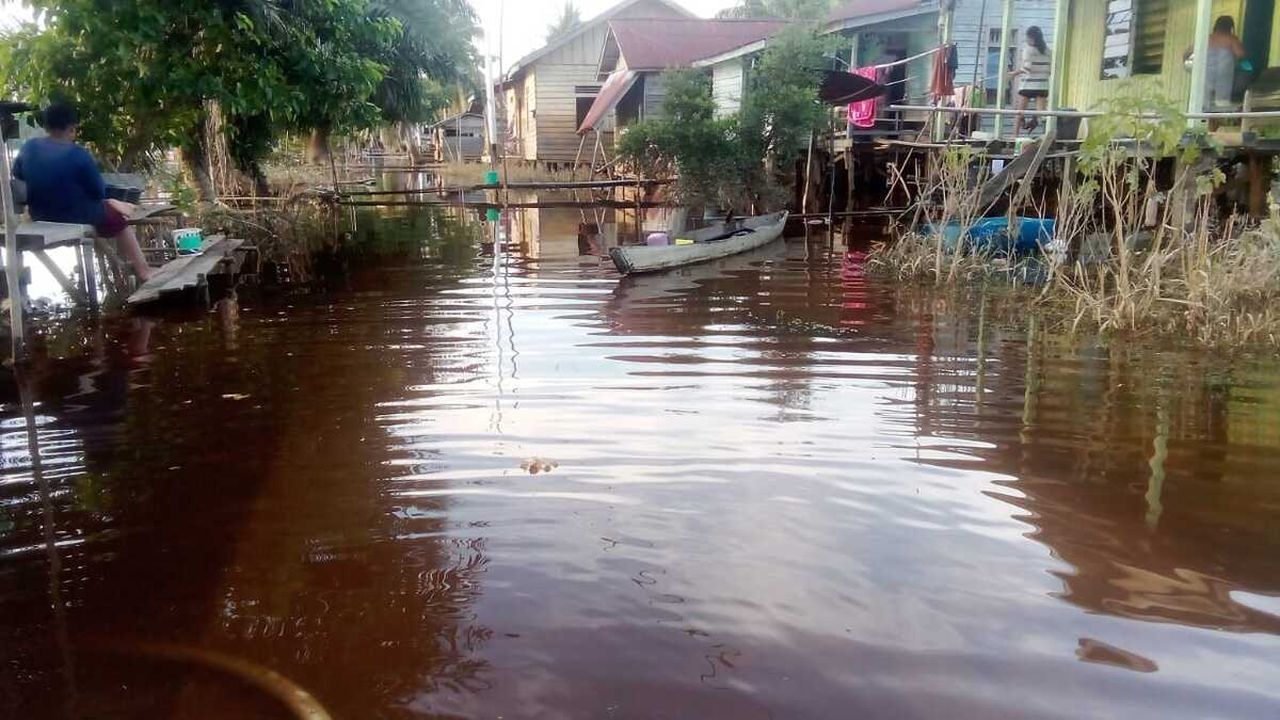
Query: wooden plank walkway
x: 186, y: 272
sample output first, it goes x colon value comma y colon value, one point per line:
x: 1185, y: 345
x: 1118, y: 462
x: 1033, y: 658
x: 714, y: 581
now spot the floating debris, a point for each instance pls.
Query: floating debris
x: 537, y: 465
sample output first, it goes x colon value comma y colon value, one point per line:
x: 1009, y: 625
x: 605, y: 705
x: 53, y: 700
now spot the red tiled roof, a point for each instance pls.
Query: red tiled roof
x: 862, y: 8
x: 662, y: 44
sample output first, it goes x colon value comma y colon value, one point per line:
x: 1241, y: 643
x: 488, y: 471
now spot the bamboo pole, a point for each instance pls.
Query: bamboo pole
x: 946, y: 23
x: 1002, y: 78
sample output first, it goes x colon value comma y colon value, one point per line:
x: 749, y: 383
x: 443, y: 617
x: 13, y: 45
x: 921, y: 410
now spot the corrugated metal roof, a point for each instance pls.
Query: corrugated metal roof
x: 614, y: 88
x: 662, y: 44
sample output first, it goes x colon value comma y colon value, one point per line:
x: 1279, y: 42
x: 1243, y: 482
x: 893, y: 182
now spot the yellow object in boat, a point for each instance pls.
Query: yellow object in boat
x: 683, y: 241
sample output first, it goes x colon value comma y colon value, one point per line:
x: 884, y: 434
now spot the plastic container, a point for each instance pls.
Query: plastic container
x: 188, y: 240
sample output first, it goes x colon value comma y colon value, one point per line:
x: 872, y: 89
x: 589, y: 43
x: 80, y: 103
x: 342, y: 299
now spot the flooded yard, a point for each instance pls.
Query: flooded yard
x: 444, y: 487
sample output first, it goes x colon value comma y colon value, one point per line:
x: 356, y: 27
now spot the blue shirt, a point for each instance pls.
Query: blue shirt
x: 63, y: 182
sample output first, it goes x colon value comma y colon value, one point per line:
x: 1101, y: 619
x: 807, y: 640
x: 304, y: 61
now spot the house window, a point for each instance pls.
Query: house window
x: 1133, y: 40
x: 1148, y: 36
x: 584, y: 107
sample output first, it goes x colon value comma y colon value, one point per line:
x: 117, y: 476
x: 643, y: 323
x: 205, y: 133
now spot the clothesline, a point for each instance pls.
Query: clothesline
x: 904, y: 61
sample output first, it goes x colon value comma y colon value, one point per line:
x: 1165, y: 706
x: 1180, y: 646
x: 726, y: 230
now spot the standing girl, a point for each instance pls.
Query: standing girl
x: 1033, y: 65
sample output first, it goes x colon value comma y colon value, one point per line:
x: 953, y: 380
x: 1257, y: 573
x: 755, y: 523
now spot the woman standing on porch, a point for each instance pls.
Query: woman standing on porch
x: 1225, y: 51
x: 1034, y: 64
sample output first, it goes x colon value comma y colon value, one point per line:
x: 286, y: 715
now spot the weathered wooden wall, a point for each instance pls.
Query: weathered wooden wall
x: 727, y: 85
x: 972, y: 33
x: 562, y: 78
x: 521, y: 110
x: 655, y: 92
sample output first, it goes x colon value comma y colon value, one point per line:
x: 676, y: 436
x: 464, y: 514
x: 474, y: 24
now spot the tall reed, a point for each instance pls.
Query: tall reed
x: 1139, y: 245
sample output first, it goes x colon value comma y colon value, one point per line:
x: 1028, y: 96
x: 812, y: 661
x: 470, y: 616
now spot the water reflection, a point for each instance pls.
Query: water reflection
x: 768, y: 486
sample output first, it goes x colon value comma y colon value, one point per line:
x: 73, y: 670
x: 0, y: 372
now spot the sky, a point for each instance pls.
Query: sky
x: 524, y: 25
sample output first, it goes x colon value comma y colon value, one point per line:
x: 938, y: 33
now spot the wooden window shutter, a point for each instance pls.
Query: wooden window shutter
x: 1148, y: 40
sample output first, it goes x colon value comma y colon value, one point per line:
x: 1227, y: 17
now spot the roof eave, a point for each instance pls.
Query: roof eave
x: 737, y: 52
x: 834, y: 27
x: 866, y: 20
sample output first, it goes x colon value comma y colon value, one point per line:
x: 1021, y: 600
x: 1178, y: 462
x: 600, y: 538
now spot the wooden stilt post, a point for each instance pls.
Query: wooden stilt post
x: 848, y: 206
x: 808, y: 175
x: 90, y: 277
x: 639, y: 210
x: 12, y: 263
x: 1257, y: 185
x: 573, y: 172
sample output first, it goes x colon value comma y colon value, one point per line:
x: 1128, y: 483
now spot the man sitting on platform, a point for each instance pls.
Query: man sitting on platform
x: 65, y: 186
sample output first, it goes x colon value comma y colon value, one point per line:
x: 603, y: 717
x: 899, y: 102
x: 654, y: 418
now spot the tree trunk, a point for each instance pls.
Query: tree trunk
x: 318, y: 146
x: 256, y: 176
x: 195, y: 159
x: 410, y: 145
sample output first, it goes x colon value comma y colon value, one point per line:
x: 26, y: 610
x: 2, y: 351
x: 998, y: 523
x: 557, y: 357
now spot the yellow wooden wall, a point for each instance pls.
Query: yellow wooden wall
x: 1275, y: 39
x: 1083, y: 85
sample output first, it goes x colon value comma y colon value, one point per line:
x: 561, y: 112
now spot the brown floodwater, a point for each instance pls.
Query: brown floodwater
x: 763, y: 488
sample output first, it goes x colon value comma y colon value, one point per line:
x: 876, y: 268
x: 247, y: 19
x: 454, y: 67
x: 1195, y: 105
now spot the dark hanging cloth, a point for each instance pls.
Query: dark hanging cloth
x: 943, y: 83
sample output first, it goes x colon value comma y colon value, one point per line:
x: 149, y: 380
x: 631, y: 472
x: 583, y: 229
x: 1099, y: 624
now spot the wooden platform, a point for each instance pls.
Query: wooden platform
x: 43, y: 235
x: 188, y: 272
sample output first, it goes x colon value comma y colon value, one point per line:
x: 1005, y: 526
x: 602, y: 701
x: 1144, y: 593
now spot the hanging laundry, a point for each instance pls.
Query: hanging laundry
x: 863, y: 113
x: 944, y: 72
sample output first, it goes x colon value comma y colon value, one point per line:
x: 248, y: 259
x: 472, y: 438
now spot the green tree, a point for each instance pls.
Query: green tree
x: 781, y: 108
x: 706, y: 153
x: 147, y: 74
x: 570, y: 19
x: 434, y: 51
x: 743, y: 161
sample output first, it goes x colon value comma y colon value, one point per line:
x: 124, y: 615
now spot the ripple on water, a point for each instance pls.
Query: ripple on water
x: 769, y: 488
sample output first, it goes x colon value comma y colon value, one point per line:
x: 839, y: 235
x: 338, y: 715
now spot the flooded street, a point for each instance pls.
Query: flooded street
x: 763, y: 488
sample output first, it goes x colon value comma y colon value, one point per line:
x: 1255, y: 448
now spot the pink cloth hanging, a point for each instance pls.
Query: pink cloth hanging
x: 863, y: 113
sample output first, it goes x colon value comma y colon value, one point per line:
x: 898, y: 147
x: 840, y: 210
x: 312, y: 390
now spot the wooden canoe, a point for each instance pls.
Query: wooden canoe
x: 710, y: 243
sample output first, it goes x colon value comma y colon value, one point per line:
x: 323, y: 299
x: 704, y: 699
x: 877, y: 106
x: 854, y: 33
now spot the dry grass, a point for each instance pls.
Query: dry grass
x: 286, y: 234
x: 922, y: 249
x: 1128, y: 258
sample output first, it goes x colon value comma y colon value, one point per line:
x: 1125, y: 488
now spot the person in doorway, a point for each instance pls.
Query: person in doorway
x: 64, y: 185
x: 1034, y: 64
x: 1225, y: 52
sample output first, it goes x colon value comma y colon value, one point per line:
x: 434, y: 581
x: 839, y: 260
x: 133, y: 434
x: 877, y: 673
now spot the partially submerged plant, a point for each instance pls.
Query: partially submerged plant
x: 1139, y: 243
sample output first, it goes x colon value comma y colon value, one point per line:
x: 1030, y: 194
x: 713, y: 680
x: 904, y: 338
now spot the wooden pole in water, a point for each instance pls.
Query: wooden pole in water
x: 848, y: 207
x: 808, y: 175
x: 639, y: 223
